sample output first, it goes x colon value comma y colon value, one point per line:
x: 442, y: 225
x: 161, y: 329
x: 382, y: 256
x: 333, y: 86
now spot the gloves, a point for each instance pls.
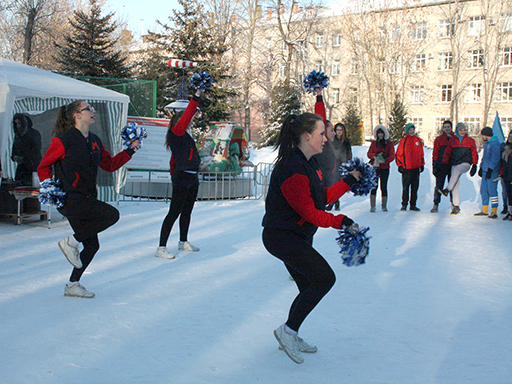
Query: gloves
x: 422, y: 168
x: 473, y: 170
x: 480, y: 172
x: 400, y: 169
x: 347, y: 221
x: 488, y: 174
x: 381, y: 158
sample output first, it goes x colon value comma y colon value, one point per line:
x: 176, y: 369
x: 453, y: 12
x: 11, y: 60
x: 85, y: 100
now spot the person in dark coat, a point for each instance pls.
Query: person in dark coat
x: 506, y: 172
x: 441, y: 171
x: 294, y: 209
x: 381, y: 154
x: 342, y: 151
x: 26, y: 149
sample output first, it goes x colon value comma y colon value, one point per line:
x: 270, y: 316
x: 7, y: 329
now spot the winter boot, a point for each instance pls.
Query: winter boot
x: 455, y: 210
x: 435, y: 208
x: 384, y: 203
x: 484, y: 211
x: 373, y: 199
x: 505, y: 210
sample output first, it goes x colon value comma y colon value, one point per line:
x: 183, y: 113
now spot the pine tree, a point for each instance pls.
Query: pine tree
x: 285, y: 99
x: 89, y: 49
x: 190, y: 38
x: 397, y: 120
x: 353, y: 123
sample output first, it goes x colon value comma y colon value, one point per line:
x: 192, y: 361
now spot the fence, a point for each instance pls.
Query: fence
x: 252, y: 183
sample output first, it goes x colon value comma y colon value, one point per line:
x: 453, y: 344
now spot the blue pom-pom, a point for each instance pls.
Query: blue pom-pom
x: 132, y: 132
x: 201, y: 80
x: 315, y: 79
x: 354, y: 245
x: 368, y: 180
x: 50, y: 193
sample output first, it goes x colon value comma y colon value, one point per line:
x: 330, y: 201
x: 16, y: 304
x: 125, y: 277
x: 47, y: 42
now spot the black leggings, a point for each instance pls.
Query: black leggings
x: 312, y: 274
x: 383, y: 175
x: 88, y: 217
x: 182, y: 203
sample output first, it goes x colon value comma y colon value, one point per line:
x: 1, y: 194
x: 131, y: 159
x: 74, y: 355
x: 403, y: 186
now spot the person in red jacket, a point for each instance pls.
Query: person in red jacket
x: 411, y: 162
x: 294, y: 209
x: 381, y: 154
x: 461, y: 155
x: 184, y: 167
x: 441, y: 171
x: 75, y: 154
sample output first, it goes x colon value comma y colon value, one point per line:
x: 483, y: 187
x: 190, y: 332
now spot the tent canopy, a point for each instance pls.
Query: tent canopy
x: 25, y: 89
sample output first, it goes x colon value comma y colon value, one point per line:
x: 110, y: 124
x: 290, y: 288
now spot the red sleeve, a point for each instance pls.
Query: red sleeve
x: 400, y: 153
x: 335, y: 191
x: 54, y: 153
x: 448, y: 152
x: 111, y: 164
x: 297, y: 193
x: 474, y: 152
x: 320, y: 108
x: 422, y: 153
x: 391, y: 150
x: 181, y: 127
x: 435, y: 152
x: 372, y: 152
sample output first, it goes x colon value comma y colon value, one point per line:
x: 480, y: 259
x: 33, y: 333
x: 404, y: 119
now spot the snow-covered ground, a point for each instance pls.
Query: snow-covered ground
x: 432, y: 304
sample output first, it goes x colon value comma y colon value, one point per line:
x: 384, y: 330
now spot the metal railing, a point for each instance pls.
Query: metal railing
x: 251, y: 183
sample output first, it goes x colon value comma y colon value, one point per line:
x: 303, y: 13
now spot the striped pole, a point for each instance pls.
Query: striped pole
x: 177, y: 63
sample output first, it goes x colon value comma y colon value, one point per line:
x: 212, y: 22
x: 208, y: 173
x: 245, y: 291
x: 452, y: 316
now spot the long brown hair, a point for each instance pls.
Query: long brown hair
x: 65, y: 118
x: 291, y: 131
x: 174, y: 120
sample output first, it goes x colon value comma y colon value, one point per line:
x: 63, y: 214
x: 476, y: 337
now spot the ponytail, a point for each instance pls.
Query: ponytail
x: 65, y: 118
x: 291, y: 131
x: 172, y: 123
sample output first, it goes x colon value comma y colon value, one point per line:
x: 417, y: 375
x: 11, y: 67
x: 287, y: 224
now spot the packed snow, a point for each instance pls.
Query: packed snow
x: 432, y: 304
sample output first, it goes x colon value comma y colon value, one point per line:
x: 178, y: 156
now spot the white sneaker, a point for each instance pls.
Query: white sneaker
x: 186, y: 246
x: 71, y: 253
x: 289, y: 343
x: 162, y: 252
x: 304, y: 346
x: 77, y: 290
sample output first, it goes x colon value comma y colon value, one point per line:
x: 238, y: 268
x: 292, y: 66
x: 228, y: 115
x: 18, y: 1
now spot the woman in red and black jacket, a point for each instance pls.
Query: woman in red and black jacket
x: 294, y: 209
x: 73, y: 157
x: 184, y: 165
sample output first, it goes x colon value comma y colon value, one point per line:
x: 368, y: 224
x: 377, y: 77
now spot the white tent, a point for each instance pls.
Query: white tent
x: 25, y: 89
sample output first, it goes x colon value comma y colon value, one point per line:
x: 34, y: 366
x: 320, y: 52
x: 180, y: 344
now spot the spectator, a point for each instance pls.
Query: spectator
x: 26, y: 149
x: 506, y: 164
x: 411, y: 162
x: 441, y: 171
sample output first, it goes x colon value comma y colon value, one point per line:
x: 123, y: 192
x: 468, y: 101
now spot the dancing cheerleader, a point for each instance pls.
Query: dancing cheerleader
x: 294, y: 209
x: 75, y: 154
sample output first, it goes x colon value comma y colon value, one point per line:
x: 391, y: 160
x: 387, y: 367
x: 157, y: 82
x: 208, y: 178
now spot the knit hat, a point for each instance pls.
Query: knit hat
x: 487, y: 131
x: 409, y: 126
x: 459, y: 126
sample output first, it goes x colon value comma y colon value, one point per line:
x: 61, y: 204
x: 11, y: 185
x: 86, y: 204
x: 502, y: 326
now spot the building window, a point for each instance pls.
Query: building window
x: 476, y: 25
x: 282, y: 70
x: 381, y: 63
x: 417, y: 92
x: 353, y: 94
x: 335, y: 67
x: 395, y: 33
x: 476, y: 58
x: 419, y: 31
x: 473, y: 125
x: 444, y: 61
x: 474, y: 92
x: 335, y: 96
x: 445, y: 93
x: 504, y: 92
x: 381, y: 35
x: 506, y: 124
x: 438, y: 125
x: 446, y: 28
x: 336, y: 39
x: 420, y: 62
x: 393, y: 66
x: 354, y: 66
x: 506, y: 58
x: 418, y: 123
x: 319, y: 39
x: 506, y: 22
x: 319, y: 66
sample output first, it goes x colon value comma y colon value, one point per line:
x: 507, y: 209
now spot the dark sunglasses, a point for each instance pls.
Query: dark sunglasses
x: 88, y: 108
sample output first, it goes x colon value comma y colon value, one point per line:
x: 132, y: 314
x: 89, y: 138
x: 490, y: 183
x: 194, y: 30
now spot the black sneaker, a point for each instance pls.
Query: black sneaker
x: 455, y: 210
x: 404, y: 208
x: 444, y: 192
x: 505, y: 211
x: 415, y: 209
x: 434, y: 208
x: 493, y: 216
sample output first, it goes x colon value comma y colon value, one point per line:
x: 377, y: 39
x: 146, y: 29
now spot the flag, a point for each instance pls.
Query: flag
x: 497, y: 130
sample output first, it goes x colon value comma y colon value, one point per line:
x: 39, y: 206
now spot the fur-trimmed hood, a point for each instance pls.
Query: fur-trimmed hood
x: 384, y: 129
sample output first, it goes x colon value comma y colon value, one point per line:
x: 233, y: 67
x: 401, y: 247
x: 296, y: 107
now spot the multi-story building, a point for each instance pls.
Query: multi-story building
x: 444, y: 59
